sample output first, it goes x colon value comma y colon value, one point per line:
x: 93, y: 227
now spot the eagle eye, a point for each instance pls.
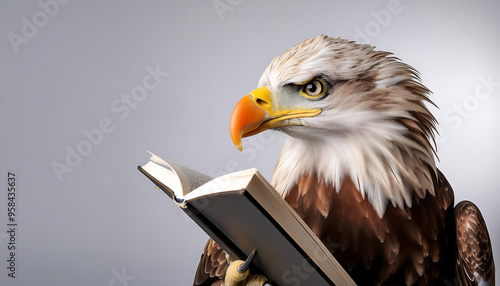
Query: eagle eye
x: 314, y: 89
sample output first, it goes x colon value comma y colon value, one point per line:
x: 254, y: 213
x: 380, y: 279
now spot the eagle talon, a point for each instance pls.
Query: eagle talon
x: 238, y: 274
x: 246, y: 264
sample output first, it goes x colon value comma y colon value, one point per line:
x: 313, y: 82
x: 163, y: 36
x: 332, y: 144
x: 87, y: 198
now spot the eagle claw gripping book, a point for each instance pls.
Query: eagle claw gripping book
x: 241, y: 211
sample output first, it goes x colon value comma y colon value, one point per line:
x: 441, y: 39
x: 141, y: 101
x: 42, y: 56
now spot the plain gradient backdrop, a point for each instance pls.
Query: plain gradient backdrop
x: 69, y: 68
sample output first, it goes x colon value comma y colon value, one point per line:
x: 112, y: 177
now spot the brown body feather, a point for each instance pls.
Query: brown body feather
x: 410, y: 246
x: 374, y: 133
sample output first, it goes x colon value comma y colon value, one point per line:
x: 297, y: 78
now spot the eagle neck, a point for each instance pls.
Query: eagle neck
x: 381, y: 171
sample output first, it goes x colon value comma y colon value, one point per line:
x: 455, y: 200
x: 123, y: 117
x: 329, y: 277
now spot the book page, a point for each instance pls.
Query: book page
x: 225, y: 183
x: 180, y: 179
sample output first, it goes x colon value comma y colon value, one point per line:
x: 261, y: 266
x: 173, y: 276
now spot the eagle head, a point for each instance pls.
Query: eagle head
x: 350, y: 111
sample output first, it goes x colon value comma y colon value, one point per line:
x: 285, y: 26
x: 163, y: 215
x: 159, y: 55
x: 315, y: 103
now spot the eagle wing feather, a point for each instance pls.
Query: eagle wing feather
x: 212, y: 266
x: 475, y: 264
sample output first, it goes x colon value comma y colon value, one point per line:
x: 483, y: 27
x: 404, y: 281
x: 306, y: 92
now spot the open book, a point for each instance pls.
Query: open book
x: 241, y: 211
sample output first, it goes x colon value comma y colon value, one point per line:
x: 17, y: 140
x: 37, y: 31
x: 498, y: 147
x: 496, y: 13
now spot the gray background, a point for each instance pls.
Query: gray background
x: 104, y: 217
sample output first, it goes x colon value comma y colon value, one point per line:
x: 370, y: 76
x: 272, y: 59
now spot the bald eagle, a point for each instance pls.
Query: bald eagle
x: 359, y: 167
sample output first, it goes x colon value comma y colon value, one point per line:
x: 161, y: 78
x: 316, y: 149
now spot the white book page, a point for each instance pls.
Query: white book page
x: 230, y: 182
x: 180, y: 179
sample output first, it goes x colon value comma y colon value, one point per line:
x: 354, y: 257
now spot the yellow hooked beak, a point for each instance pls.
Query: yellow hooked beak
x: 255, y: 113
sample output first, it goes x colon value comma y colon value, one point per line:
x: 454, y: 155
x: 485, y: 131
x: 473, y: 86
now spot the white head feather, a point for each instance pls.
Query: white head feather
x: 374, y: 126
